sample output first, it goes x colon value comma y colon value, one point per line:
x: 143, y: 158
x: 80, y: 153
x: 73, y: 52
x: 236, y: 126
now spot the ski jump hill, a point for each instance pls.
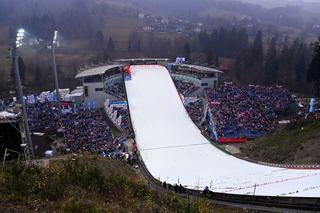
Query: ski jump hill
x: 174, y: 150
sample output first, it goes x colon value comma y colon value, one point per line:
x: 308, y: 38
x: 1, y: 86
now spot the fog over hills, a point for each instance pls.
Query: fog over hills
x: 164, y: 23
x: 304, y: 4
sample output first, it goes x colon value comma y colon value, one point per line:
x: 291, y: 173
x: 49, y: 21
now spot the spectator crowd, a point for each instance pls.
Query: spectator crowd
x: 87, y: 131
x: 125, y: 124
x: 185, y: 88
x: 246, y: 111
x: 83, y: 129
x: 195, y: 110
x: 42, y: 116
x: 116, y: 89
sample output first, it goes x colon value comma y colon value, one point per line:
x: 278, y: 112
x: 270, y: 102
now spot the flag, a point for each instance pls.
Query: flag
x: 119, y: 121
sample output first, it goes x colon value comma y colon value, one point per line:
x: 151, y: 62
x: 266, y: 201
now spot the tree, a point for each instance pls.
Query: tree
x: 271, y: 66
x: 257, y: 50
x: 203, y: 40
x: 187, y: 52
x: 98, y: 41
x: 243, y: 38
x: 129, y: 47
x: 254, y: 61
x: 313, y: 74
x: 209, y: 57
x: 38, y: 77
x: 138, y: 46
x: 300, y: 65
x: 110, y: 45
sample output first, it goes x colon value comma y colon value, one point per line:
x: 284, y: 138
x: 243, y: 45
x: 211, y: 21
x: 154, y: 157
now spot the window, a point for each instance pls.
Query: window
x: 99, y: 89
x: 204, y: 84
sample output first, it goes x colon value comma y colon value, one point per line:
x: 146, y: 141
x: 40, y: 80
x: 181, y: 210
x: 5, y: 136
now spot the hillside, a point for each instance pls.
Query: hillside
x: 97, y: 31
x: 295, y: 144
x: 89, y: 184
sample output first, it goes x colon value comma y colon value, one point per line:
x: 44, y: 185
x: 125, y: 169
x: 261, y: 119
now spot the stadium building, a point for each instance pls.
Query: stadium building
x: 106, y: 82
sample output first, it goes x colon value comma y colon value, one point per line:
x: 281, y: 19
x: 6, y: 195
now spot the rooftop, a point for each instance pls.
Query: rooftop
x: 140, y: 59
x: 197, y: 68
x: 96, y: 71
x: 7, y: 117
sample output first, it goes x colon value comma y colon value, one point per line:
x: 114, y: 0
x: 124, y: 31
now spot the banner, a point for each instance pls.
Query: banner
x: 180, y: 60
x: 114, y: 115
x: 188, y: 100
x: 119, y: 121
x: 232, y: 140
x: 212, y: 126
x: 312, y: 105
x: 107, y: 103
x: 122, y: 104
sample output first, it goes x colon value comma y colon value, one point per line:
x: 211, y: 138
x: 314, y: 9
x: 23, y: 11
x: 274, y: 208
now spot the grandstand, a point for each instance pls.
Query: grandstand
x: 106, y: 82
x: 201, y: 77
x: 248, y: 112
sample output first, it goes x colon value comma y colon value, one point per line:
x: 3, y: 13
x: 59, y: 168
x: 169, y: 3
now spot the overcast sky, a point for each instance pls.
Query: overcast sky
x: 302, y: 0
x: 259, y: 1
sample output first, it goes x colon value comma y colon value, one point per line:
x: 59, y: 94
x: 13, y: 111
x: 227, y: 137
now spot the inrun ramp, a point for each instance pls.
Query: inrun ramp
x: 174, y: 150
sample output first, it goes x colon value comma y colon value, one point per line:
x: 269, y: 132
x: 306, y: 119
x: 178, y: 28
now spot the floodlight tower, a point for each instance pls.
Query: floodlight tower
x: 27, y: 138
x: 56, y: 81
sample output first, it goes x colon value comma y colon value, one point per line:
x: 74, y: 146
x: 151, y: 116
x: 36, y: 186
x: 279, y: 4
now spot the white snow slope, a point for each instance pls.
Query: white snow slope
x: 174, y: 150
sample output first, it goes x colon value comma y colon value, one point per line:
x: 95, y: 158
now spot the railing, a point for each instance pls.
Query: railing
x: 290, y: 166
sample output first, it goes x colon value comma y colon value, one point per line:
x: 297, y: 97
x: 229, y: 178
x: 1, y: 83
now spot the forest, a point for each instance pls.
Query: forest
x: 102, y: 31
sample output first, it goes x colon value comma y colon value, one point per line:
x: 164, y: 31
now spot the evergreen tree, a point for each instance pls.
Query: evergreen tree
x: 98, y: 41
x: 129, y: 47
x: 105, y: 55
x: 243, y: 40
x: 187, y: 52
x: 257, y: 50
x: 222, y: 42
x: 39, y: 77
x: 138, y: 46
x: 300, y: 69
x: 300, y: 64
x: 271, y: 66
x: 313, y: 74
x: 203, y: 41
x: 254, y: 61
x: 209, y: 57
x: 110, y: 45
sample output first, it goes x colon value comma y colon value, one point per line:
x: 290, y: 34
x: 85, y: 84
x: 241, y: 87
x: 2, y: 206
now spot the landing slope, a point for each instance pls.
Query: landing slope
x: 175, y: 151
